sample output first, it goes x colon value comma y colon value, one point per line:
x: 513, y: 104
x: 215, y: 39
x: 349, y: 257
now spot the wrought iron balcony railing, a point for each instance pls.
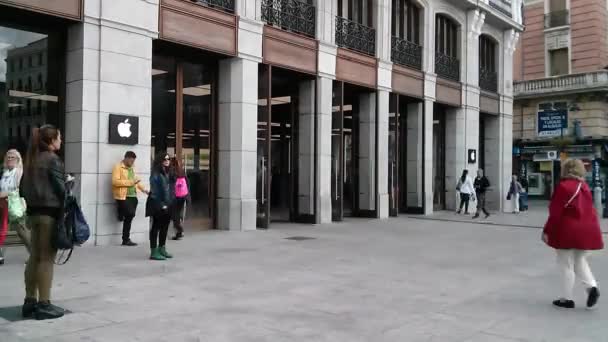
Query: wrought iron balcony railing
x: 447, y: 67
x: 406, y: 53
x: 488, y: 80
x: 354, y: 36
x: 224, y: 5
x: 557, y: 19
x: 290, y: 15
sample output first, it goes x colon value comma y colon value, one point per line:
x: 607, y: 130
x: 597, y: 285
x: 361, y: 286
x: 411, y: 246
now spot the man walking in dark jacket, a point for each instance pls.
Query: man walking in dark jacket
x: 481, y: 185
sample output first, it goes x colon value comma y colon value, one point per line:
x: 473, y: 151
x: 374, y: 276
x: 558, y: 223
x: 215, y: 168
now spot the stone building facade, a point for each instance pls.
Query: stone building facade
x: 561, y: 82
x: 305, y: 111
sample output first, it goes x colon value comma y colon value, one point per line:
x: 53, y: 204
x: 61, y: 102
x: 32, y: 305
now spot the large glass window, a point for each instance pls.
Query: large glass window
x: 18, y: 95
x: 182, y: 125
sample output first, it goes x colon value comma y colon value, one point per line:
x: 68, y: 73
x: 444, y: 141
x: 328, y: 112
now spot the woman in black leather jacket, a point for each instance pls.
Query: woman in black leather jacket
x: 159, y: 206
x: 43, y: 188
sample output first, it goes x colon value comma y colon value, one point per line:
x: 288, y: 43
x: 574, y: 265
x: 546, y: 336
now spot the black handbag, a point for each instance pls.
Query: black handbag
x: 62, y: 236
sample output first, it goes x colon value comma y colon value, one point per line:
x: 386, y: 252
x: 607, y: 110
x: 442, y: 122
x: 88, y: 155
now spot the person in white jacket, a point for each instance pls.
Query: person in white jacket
x: 467, y: 191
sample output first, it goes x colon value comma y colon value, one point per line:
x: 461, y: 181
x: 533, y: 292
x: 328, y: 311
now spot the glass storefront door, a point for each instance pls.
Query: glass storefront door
x: 31, y: 86
x: 183, y: 119
x: 278, y: 149
x: 439, y: 187
x: 394, y: 144
x: 345, y: 151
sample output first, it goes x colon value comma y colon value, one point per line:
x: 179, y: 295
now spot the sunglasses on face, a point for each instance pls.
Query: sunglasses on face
x: 11, y: 158
x: 167, y: 159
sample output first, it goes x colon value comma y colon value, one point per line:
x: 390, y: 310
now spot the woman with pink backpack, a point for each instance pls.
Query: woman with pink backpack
x: 182, y: 192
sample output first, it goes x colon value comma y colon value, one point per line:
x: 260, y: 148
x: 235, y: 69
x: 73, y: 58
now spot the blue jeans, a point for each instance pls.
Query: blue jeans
x: 523, y: 201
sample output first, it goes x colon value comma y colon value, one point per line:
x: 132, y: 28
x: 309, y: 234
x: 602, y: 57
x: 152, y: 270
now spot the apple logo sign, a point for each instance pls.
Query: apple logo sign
x: 123, y: 130
x: 472, y: 156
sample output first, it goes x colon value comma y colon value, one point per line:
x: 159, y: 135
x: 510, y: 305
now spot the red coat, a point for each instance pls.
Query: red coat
x: 575, y: 227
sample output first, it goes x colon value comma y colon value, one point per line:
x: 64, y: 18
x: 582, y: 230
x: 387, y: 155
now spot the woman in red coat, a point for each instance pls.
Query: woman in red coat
x: 573, y: 229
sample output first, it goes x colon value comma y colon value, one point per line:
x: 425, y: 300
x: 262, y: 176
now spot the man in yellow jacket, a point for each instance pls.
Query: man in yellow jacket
x: 125, y: 185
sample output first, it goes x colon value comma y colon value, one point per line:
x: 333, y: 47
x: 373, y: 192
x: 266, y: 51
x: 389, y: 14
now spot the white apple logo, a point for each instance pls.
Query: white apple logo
x: 124, y: 129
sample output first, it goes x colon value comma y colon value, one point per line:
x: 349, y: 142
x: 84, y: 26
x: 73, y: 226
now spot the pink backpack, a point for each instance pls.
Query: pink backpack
x: 181, y: 187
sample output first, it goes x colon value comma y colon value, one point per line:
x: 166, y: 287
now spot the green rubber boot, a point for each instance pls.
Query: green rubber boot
x: 163, y: 251
x: 155, y: 254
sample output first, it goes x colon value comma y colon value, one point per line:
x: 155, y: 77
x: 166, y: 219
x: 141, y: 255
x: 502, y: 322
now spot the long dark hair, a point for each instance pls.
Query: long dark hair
x: 158, y: 163
x: 177, y: 168
x: 463, y: 178
x: 42, y: 138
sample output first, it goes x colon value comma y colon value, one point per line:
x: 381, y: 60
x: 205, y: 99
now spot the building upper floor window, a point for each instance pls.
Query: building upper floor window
x: 20, y: 64
x: 30, y: 61
x: 446, y: 36
x: 557, y: 5
x: 406, y: 21
x: 447, y: 63
x: 488, y: 77
x: 360, y: 11
x: 40, y: 59
x: 559, y: 62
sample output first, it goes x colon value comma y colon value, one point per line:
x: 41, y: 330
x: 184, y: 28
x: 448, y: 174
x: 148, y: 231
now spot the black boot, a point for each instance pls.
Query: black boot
x: 564, y: 303
x: 29, y: 307
x: 46, y: 310
x: 594, y: 295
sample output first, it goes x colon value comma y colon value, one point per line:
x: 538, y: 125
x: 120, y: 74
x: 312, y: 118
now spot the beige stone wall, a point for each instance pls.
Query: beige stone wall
x: 592, y: 114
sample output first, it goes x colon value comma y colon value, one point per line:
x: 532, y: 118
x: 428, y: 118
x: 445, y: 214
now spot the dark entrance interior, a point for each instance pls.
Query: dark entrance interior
x: 345, y: 150
x: 278, y: 147
x: 439, y: 133
x: 404, y: 175
x: 184, y: 106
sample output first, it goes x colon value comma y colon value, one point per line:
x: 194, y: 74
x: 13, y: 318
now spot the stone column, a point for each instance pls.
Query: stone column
x: 326, y: 22
x: 455, y: 152
x: 367, y: 152
x: 324, y: 125
x: 493, y: 167
x: 415, y: 154
x: 237, y: 124
x: 109, y: 65
x: 382, y: 156
x: 306, y: 148
x: 237, y: 144
x: 427, y: 154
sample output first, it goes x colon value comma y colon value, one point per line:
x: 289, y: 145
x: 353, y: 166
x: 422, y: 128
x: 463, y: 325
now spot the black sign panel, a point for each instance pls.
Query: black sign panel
x: 124, y: 130
x: 472, y: 156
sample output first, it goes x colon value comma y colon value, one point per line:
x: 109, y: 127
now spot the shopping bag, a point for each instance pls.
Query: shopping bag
x: 16, y: 207
x: 3, y: 221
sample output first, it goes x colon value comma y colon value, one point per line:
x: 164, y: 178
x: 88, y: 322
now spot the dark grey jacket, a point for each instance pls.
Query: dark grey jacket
x: 43, y: 185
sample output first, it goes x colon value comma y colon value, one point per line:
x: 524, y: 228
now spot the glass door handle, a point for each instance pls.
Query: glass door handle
x: 263, y: 180
x: 337, y: 179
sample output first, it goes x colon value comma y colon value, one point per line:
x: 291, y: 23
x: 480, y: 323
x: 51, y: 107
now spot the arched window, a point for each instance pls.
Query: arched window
x: 405, y: 42
x: 406, y: 20
x: 488, y: 76
x: 447, y: 48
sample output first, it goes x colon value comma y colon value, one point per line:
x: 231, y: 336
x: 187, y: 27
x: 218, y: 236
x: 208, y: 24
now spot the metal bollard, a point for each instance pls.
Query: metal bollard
x: 597, y: 199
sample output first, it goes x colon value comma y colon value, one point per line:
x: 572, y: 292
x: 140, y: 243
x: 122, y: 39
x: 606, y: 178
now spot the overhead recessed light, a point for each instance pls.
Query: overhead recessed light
x: 158, y: 72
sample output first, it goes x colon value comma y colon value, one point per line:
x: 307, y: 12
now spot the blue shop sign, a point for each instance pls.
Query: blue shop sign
x: 552, y: 122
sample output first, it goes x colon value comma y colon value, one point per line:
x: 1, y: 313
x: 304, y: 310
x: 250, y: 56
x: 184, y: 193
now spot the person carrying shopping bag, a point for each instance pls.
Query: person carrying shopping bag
x: 11, y: 175
x: 43, y: 187
x: 573, y: 230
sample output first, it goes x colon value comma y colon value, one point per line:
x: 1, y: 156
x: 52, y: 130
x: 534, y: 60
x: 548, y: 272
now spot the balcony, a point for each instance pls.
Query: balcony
x: 224, y: 5
x: 447, y: 67
x: 503, y: 6
x: 290, y: 15
x: 406, y: 53
x: 560, y: 85
x: 557, y: 19
x: 354, y: 36
x: 488, y: 80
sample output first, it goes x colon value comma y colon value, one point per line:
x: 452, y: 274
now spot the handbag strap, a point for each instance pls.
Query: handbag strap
x: 578, y: 190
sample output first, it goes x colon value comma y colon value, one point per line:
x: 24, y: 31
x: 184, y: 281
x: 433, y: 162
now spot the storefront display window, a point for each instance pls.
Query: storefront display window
x: 25, y: 104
